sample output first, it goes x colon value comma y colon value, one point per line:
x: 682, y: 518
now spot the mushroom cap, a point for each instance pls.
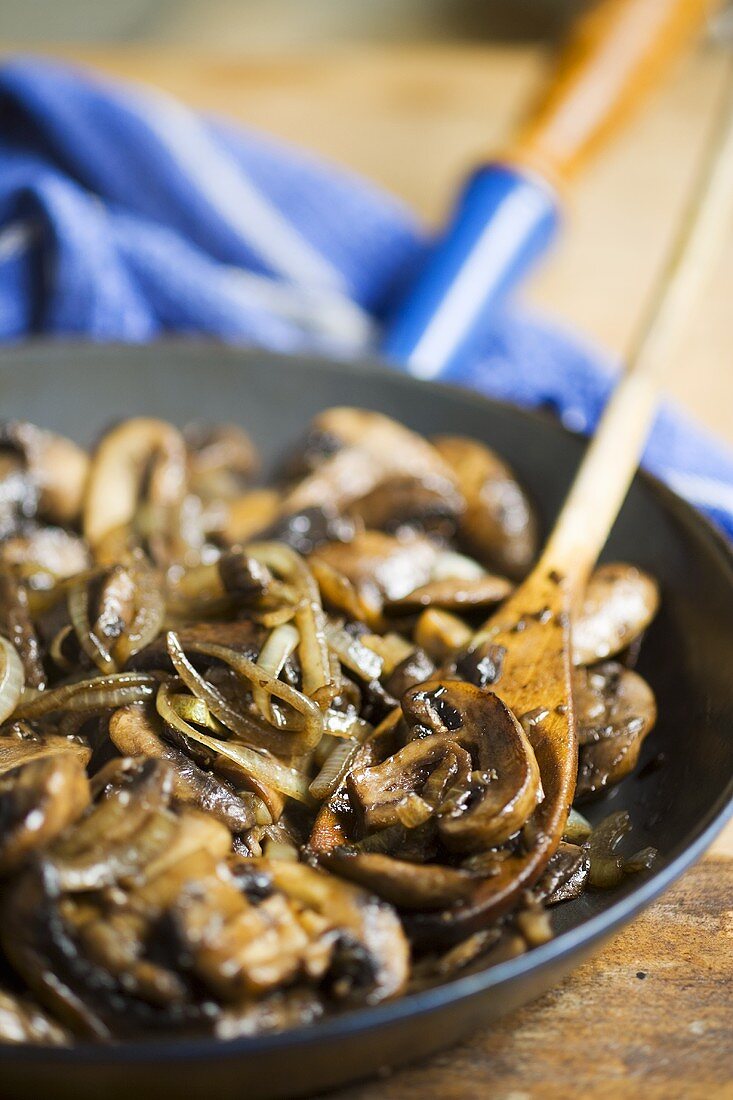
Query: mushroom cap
x: 498, y: 525
x: 619, y: 603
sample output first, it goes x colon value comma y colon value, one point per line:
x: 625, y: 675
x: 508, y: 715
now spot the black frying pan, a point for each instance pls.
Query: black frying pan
x: 677, y: 804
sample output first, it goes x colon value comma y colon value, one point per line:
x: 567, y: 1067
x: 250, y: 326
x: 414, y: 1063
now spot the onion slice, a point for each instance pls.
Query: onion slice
x: 265, y: 769
x: 312, y: 718
x: 280, y: 645
x: 11, y: 678
x: 100, y: 693
x: 309, y: 615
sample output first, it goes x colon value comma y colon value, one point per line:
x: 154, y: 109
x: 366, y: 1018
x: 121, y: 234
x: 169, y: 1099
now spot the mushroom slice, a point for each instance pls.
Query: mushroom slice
x: 620, y: 602
x: 565, y: 876
x: 17, y: 626
x: 42, y: 556
x: 125, y: 829
x: 367, y: 449
x: 406, y: 885
x: 498, y: 526
x: 415, y: 668
x: 382, y: 790
x: 371, y: 955
x: 140, y: 455
x: 37, y: 801
x: 246, y: 515
x: 375, y: 568
x: 453, y: 594
x: 57, y: 468
x: 615, y: 711
x: 309, y: 528
x: 504, y: 786
x: 103, y: 961
x: 441, y: 634
x: 222, y: 460
x: 22, y: 1021
x: 134, y: 732
x: 424, y: 505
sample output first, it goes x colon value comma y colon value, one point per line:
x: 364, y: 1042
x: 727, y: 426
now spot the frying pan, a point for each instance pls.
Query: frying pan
x: 678, y: 798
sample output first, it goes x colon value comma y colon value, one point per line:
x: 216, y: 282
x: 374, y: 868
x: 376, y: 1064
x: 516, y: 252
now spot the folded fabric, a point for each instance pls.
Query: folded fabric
x: 125, y: 216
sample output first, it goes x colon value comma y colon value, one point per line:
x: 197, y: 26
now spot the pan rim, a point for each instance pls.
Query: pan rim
x: 424, y: 1003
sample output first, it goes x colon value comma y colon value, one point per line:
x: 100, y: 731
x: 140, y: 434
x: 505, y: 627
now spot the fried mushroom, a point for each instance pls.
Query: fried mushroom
x: 619, y: 603
x: 498, y: 525
x: 615, y: 711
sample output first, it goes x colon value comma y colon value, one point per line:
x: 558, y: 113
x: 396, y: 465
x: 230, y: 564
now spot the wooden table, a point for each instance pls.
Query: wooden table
x: 652, y: 1015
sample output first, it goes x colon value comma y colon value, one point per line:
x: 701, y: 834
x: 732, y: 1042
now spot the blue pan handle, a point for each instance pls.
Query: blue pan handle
x: 504, y: 221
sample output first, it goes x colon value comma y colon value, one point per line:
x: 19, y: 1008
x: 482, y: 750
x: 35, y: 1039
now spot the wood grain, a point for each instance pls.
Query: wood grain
x: 650, y: 1016
x: 616, y: 53
x: 414, y: 120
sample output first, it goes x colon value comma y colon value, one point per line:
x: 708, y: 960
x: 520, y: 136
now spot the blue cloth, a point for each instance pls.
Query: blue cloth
x: 124, y: 216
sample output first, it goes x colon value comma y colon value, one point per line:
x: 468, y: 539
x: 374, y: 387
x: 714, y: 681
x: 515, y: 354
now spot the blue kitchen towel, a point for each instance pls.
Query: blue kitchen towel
x: 125, y: 216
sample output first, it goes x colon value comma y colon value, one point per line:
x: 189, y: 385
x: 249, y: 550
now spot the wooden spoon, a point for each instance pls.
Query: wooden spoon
x: 533, y: 626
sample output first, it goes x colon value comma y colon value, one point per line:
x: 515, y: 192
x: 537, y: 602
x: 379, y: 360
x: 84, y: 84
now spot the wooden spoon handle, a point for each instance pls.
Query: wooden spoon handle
x: 614, y: 452
x: 615, y: 55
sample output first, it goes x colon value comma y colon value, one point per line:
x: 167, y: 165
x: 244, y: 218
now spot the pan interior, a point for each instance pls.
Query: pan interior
x: 686, y: 764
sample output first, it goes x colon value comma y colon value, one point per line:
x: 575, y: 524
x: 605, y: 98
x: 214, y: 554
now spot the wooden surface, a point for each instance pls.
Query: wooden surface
x: 414, y: 120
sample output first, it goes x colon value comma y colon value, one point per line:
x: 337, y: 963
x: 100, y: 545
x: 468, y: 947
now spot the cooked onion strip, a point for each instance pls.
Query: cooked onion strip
x: 280, y: 645
x: 78, y: 603
x: 100, y: 693
x: 312, y: 728
x: 335, y: 766
x: 264, y: 769
x: 249, y: 727
x: 309, y: 616
x: 11, y: 678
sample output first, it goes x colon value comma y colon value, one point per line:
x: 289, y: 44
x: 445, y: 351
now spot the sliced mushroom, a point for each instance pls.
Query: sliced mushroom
x: 441, y: 634
x: 371, y: 956
x: 192, y: 933
x: 105, y: 963
x: 42, y: 556
x: 247, y: 515
x: 115, y: 613
x: 17, y: 626
x: 505, y: 785
x: 453, y: 594
x: 423, y: 505
x: 38, y: 800
x: 134, y: 732
x: 22, y: 1021
x: 498, y: 526
x: 368, y: 450
x: 222, y: 460
x: 56, y: 467
x: 360, y: 576
x: 475, y: 772
x: 415, y: 668
x: 307, y: 529
x: 565, y: 876
x: 406, y: 885
x: 139, y: 456
x: 615, y: 711
x: 125, y: 829
x: 620, y: 602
